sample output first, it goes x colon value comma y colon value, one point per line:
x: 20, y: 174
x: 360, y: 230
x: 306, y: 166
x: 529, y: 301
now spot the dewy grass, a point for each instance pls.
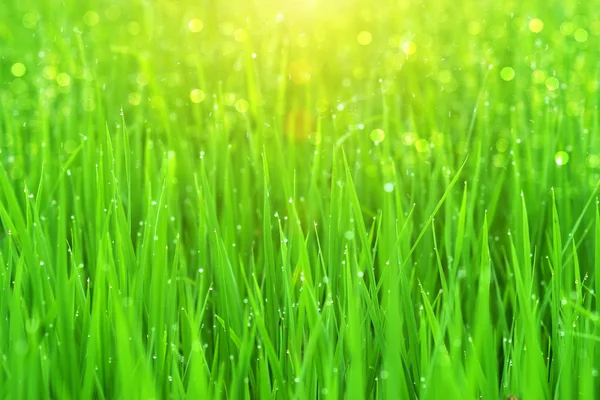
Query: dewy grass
x: 230, y: 199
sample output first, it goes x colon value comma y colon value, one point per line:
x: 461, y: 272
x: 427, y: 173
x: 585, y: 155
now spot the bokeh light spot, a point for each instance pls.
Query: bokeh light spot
x: 474, y: 28
x: 377, y: 135
x: 195, y: 25
x: 422, y: 145
x: 507, y: 74
x: 536, y: 25
x: 409, y: 47
x: 561, y: 158
x: 364, y: 38
x: 299, y: 71
x: 539, y: 76
x: 197, y: 96
x: 91, y: 18
x: 135, y: 98
x: 408, y: 138
x: 242, y: 105
x: 240, y: 35
x: 445, y: 76
x: 567, y: 28
x: 552, y: 83
x: 133, y: 28
x: 63, y: 79
x: 502, y: 145
x: 18, y: 69
x: 30, y: 20
x: 580, y: 35
x: 593, y: 161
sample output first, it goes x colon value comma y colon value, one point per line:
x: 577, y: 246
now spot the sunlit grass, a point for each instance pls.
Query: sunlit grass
x: 299, y: 199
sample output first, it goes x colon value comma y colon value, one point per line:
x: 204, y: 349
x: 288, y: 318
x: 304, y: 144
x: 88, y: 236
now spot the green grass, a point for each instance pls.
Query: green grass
x: 280, y: 206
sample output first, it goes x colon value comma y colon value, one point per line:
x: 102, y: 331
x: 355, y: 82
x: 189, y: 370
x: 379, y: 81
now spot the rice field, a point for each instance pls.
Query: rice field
x: 299, y: 199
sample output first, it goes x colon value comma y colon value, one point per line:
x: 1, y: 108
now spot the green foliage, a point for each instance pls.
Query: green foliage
x: 223, y: 199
